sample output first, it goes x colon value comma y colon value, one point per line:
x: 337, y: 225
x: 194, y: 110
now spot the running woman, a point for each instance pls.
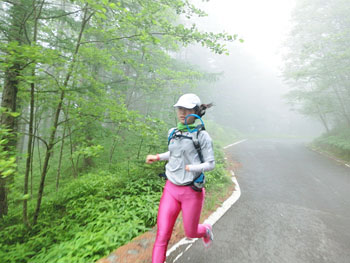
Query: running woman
x: 184, y: 165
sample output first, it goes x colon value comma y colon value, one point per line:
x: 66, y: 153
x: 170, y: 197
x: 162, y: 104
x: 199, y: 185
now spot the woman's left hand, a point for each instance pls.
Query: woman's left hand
x: 152, y: 158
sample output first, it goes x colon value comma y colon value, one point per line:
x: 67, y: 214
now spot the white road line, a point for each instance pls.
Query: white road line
x: 214, y: 217
x: 187, y: 248
x: 234, y: 144
x: 329, y: 156
x: 182, y: 242
x: 316, y: 179
x: 178, y: 256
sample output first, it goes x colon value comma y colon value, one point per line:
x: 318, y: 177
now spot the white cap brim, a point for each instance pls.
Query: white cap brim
x: 184, y: 105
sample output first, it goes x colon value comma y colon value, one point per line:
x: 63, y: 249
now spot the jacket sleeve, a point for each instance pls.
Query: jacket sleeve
x: 164, y: 156
x: 202, y: 167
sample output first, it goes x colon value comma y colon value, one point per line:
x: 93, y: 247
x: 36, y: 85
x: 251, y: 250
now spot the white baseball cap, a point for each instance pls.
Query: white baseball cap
x: 188, y: 101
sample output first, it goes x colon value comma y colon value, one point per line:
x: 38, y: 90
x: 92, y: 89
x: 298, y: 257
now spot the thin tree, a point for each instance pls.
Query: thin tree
x: 15, y: 34
x: 49, y: 149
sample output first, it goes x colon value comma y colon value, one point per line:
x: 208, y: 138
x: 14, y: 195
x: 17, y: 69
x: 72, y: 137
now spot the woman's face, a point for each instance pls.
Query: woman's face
x: 182, y: 113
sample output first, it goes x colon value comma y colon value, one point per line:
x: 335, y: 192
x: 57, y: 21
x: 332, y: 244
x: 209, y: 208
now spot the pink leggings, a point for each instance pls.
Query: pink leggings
x: 175, y: 199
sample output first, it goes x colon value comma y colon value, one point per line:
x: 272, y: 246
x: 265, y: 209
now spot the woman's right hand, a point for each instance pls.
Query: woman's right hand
x: 152, y: 158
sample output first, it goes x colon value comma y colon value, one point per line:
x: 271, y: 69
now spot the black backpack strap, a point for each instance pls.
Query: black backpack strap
x: 198, y: 185
x: 197, y: 145
x: 177, y: 134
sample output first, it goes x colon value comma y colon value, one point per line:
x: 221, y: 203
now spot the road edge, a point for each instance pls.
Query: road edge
x: 328, y: 155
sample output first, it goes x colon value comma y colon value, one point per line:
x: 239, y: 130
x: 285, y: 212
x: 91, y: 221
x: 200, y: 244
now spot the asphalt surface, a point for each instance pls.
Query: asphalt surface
x: 294, y: 207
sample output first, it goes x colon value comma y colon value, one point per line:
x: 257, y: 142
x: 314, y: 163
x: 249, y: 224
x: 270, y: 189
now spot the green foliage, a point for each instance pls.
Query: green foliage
x: 107, y: 68
x: 10, y: 113
x: 88, y: 151
x: 222, y: 135
x: 336, y: 142
x: 7, y: 158
x: 317, y: 63
x: 86, y: 219
x: 94, y: 214
x: 217, y: 178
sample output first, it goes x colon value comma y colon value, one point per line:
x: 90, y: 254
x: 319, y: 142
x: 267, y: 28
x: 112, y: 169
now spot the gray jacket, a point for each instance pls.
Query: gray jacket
x: 183, y: 152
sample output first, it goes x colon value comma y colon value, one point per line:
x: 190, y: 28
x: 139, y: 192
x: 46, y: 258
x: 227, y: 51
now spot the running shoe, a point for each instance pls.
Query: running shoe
x: 209, y: 237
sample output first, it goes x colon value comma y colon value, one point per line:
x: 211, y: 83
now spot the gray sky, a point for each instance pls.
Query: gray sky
x: 250, y: 94
x: 261, y: 23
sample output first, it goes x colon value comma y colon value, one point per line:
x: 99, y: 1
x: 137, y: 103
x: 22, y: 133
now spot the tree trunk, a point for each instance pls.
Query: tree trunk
x: 29, y: 153
x: 114, y: 145
x: 139, y: 150
x: 342, y: 106
x: 18, y: 15
x: 323, y: 119
x: 72, y: 149
x: 9, y: 99
x: 51, y: 144
x: 3, y: 197
x: 49, y: 150
x: 60, y: 160
x: 87, y: 160
x: 21, y: 142
x: 31, y: 122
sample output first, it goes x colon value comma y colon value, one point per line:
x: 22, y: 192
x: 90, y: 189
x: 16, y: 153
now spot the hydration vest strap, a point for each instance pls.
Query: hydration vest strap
x: 177, y: 134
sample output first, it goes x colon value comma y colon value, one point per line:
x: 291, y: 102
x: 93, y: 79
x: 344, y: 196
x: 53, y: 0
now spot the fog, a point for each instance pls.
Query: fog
x: 249, y: 94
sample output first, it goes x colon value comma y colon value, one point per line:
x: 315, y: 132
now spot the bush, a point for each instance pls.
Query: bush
x: 93, y: 214
x: 336, y: 142
x: 83, y: 222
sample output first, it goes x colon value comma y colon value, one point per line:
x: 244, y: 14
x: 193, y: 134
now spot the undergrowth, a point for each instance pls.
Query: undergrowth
x: 336, y: 142
x: 92, y: 215
x: 86, y: 219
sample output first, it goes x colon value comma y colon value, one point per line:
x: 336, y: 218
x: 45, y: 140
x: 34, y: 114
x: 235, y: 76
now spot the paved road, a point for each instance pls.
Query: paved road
x: 294, y: 207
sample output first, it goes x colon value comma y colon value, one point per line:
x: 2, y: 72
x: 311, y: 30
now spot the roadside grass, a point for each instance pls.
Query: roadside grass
x: 95, y: 213
x: 219, y: 183
x: 335, y: 144
x: 101, y: 209
x: 218, y: 194
x: 221, y: 135
x: 330, y: 152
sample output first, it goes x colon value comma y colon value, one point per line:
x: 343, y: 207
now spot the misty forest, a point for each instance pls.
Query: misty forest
x: 87, y: 91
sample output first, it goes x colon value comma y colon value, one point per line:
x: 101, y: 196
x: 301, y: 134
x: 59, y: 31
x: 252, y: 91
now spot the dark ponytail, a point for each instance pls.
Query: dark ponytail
x: 200, y: 111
